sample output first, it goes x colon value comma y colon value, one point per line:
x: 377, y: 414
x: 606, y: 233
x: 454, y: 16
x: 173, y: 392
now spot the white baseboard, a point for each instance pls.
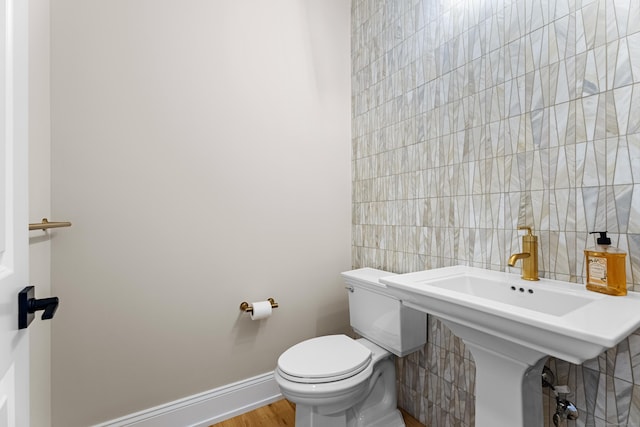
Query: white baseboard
x: 205, y: 409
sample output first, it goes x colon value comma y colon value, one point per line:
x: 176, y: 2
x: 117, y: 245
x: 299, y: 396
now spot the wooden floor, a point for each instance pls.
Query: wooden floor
x: 282, y: 413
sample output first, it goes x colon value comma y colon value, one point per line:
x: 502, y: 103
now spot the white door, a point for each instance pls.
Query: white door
x: 14, y: 343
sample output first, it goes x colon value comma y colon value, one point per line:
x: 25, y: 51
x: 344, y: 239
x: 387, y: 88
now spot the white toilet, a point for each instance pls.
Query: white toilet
x: 336, y: 381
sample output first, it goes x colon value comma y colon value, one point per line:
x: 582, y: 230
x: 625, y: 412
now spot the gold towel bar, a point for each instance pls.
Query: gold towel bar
x: 45, y: 224
x: 247, y: 308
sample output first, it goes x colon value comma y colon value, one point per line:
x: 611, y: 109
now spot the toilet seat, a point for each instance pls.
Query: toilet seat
x: 324, y: 359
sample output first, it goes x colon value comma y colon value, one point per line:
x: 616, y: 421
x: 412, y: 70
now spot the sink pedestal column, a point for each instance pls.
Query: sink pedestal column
x: 508, y: 386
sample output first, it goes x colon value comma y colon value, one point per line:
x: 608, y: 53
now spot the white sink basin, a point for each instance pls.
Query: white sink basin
x: 511, y: 325
x: 529, y: 297
x: 557, y: 318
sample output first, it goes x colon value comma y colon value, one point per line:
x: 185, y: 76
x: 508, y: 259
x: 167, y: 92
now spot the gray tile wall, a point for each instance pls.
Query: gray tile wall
x: 473, y: 117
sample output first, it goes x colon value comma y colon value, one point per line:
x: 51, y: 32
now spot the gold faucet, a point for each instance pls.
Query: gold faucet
x: 529, y: 255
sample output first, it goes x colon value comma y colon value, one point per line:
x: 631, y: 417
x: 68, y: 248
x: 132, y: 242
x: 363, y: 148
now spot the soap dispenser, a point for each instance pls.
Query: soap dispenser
x: 606, y: 267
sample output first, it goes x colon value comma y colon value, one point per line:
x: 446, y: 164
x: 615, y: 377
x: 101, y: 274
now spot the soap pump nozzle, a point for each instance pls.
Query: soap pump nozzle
x: 603, y: 239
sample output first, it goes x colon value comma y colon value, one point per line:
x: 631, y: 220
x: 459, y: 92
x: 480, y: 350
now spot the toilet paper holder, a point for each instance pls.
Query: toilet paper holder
x: 248, y: 308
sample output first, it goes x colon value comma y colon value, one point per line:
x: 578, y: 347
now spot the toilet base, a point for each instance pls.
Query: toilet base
x: 307, y: 417
x: 377, y: 408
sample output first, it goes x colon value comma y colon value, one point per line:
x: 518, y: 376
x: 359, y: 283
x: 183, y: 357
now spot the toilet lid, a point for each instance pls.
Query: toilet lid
x: 324, y: 359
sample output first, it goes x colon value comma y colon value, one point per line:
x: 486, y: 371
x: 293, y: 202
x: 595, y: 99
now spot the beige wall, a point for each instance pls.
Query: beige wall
x: 201, y: 150
x: 39, y: 206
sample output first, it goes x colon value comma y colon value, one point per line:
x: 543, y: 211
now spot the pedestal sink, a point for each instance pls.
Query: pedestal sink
x: 511, y: 326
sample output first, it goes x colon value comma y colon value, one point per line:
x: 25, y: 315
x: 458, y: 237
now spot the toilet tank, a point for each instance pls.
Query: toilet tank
x: 380, y: 317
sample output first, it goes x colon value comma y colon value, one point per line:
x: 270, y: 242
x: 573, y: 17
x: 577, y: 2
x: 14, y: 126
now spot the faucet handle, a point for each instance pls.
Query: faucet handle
x: 529, y: 237
x: 529, y: 229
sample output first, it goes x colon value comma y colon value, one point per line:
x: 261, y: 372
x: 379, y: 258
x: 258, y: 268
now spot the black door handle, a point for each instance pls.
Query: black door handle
x: 28, y: 305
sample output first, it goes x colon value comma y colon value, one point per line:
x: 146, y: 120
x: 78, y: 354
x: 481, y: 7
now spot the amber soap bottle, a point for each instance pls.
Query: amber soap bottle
x: 606, y: 267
